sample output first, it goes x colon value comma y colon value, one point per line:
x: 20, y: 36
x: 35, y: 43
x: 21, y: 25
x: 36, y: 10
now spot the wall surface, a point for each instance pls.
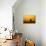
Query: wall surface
x: 30, y: 31
x: 6, y: 13
x: 43, y: 23
x: 6, y: 16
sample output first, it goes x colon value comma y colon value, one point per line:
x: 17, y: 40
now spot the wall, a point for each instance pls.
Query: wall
x: 6, y: 13
x: 43, y: 23
x: 6, y: 16
x: 30, y: 31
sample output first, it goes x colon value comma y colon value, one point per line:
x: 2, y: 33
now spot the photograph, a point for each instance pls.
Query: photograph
x: 29, y: 19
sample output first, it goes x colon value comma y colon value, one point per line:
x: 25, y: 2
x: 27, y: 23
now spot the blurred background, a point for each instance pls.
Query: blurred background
x: 37, y: 31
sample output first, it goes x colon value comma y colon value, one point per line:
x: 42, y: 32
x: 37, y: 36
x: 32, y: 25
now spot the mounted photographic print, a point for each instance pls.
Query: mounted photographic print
x: 29, y: 19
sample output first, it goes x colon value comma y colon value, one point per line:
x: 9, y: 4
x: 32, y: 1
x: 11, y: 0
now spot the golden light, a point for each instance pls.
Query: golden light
x: 29, y: 19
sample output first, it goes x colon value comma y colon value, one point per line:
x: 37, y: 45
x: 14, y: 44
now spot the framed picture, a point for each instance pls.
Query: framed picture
x: 29, y: 19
